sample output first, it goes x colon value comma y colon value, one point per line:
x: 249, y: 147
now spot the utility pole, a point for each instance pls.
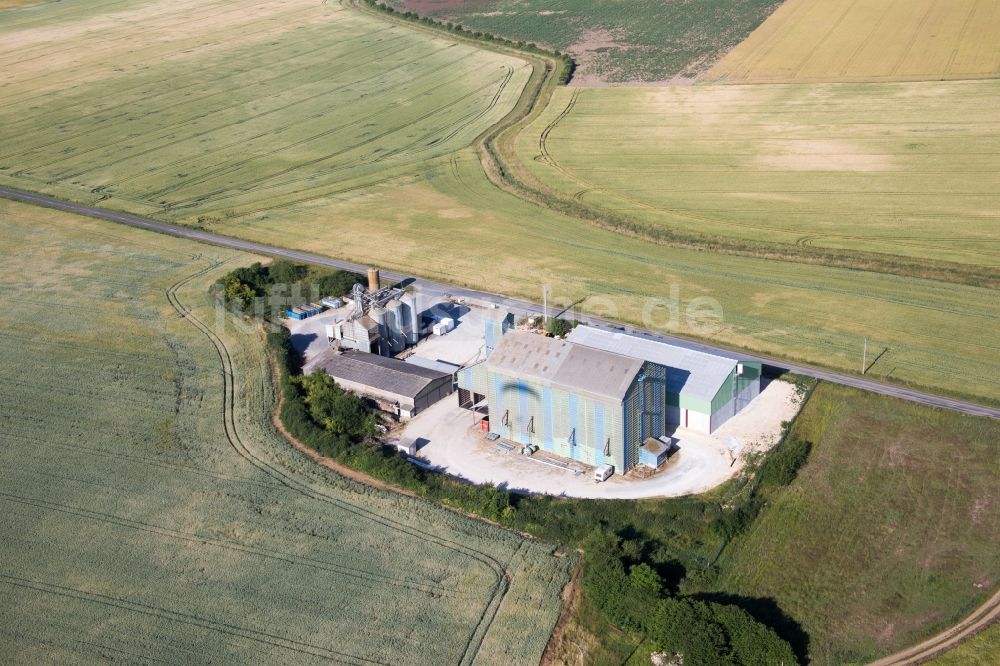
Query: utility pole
x: 864, y: 358
x: 545, y: 306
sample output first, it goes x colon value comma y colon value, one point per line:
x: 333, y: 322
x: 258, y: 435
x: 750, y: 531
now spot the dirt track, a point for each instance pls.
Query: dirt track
x: 980, y: 619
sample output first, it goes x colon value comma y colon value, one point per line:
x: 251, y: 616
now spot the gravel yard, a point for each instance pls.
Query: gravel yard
x: 451, y: 441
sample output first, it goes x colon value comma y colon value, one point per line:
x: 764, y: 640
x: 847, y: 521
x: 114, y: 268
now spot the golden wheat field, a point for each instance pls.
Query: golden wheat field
x: 869, y: 40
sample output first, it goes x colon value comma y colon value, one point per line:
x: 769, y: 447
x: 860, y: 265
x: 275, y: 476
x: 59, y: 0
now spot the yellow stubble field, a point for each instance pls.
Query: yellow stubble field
x: 869, y: 40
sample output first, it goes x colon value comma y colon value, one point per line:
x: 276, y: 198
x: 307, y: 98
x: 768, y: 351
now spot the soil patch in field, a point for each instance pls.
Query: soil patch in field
x: 823, y: 155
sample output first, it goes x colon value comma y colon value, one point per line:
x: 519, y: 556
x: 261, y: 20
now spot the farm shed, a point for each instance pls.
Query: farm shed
x: 432, y: 364
x: 565, y: 398
x: 397, y: 386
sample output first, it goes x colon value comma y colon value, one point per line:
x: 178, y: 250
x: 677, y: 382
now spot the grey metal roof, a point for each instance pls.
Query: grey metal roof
x: 564, y: 364
x: 689, y: 372
x: 389, y: 375
x: 432, y: 364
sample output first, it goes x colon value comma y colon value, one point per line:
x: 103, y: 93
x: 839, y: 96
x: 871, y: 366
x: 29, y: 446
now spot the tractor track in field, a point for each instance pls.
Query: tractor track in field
x: 501, y: 575
x: 261, y: 183
x: 361, y: 576
x: 172, y: 130
x: 190, y: 619
x: 977, y: 621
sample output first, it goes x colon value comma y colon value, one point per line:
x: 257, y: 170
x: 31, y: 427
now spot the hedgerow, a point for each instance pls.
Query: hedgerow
x: 705, y: 633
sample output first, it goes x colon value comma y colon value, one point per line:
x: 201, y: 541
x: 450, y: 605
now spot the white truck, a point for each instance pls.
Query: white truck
x: 603, y: 473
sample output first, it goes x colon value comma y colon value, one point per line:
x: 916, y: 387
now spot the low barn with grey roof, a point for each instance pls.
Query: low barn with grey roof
x: 397, y: 386
x: 598, y: 396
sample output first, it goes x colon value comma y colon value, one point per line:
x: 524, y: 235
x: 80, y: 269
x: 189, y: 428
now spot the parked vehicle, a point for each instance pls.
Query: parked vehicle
x: 492, y: 436
x: 603, y: 473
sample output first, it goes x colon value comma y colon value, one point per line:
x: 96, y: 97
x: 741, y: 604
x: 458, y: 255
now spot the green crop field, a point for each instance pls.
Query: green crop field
x: 906, y: 169
x: 889, y: 533
x: 18, y: 4
x: 152, y: 512
x: 614, y: 42
x: 220, y: 110
x: 869, y: 40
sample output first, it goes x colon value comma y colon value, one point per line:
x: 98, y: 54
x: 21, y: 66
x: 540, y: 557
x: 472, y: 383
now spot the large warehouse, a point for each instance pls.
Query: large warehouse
x: 703, y: 391
x: 598, y: 396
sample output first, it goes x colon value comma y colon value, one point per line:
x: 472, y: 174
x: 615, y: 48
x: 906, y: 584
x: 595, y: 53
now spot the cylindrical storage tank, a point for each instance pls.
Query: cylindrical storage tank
x: 413, y: 328
x: 395, y: 322
x: 373, y: 279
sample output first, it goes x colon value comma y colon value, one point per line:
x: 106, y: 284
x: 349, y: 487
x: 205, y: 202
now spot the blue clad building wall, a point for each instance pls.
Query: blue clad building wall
x: 550, y: 395
x: 573, y: 425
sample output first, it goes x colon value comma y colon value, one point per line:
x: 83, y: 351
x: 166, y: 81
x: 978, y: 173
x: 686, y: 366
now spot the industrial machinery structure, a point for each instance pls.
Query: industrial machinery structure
x: 385, y: 320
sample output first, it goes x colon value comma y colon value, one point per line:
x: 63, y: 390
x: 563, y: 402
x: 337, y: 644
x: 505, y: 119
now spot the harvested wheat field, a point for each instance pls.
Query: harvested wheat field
x: 869, y: 40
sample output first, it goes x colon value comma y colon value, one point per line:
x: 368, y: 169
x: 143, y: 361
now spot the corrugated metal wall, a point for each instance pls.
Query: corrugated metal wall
x: 575, y: 426
x: 474, y: 378
x: 748, y: 388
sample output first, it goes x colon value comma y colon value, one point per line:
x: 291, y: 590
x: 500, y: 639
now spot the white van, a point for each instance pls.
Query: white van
x: 603, y: 473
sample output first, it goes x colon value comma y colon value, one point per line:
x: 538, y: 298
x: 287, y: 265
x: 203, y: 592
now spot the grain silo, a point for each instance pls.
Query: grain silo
x: 395, y: 323
x: 410, y: 310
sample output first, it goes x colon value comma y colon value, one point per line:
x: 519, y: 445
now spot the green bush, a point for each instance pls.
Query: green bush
x: 283, y: 284
x: 751, y: 642
x: 286, y: 272
x: 705, y: 633
x: 688, y: 627
x: 559, y: 327
x: 783, y: 464
x: 335, y: 409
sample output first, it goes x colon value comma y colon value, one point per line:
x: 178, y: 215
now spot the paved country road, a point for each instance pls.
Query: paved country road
x: 432, y: 289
